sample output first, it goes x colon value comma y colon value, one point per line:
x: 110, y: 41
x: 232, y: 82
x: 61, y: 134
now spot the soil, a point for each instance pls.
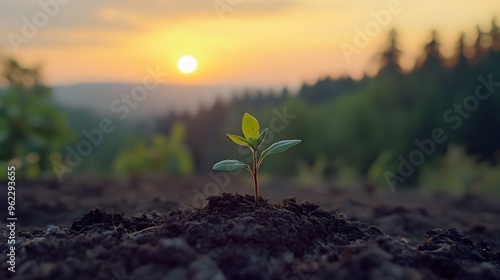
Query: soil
x: 350, y: 234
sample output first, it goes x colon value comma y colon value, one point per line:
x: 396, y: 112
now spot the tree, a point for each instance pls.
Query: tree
x: 31, y: 128
x: 389, y: 58
x: 431, y: 59
x: 495, y: 35
x: 478, y: 46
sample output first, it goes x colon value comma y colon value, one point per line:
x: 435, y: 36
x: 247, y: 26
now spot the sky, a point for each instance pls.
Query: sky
x: 236, y: 42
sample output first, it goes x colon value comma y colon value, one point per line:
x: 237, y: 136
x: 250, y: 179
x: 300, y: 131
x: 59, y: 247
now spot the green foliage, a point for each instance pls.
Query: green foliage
x: 31, y: 127
x: 229, y: 165
x: 253, y: 140
x: 278, y: 147
x: 377, y: 170
x: 238, y: 140
x: 250, y: 127
x: 311, y: 175
x: 167, y: 154
x: 458, y: 173
x: 262, y: 137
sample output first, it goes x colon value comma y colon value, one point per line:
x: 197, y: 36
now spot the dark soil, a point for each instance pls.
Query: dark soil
x: 230, y: 238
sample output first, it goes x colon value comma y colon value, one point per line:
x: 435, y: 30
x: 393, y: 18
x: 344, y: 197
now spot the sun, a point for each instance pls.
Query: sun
x: 187, y: 64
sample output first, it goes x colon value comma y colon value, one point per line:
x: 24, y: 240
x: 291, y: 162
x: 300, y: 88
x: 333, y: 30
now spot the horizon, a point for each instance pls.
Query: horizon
x: 98, y: 42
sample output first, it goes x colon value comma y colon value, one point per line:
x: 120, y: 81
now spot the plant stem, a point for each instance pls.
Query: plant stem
x: 255, y: 182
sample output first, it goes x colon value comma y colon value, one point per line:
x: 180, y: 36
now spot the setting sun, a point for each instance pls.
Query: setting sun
x: 187, y: 64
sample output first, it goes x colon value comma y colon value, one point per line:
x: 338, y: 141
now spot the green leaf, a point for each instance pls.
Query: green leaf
x: 250, y: 126
x: 253, y: 143
x: 262, y: 137
x: 279, y: 147
x: 229, y: 165
x: 238, y: 140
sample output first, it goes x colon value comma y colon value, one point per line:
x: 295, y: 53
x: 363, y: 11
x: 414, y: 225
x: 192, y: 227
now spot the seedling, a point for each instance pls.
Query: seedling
x: 253, y: 140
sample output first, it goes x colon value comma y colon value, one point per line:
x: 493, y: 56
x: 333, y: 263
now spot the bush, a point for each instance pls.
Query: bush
x: 31, y: 127
x: 458, y: 173
x: 166, y: 155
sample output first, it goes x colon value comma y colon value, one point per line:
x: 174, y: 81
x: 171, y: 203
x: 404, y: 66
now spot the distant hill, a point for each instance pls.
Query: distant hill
x: 165, y: 98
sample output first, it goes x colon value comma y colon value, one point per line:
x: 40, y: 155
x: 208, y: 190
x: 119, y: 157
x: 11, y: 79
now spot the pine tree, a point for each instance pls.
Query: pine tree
x: 478, y: 47
x: 389, y: 58
x: 431, y: 59
x: 495, y: 35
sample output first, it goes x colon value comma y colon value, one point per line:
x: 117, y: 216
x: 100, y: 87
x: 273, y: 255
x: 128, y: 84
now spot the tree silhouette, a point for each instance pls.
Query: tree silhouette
x: 431, y: 59
x: 478, y: 47
x: 460, y: 62
x: 389, y: 58
x: 495, y: 35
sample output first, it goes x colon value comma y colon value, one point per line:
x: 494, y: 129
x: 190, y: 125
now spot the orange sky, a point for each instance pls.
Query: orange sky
x: 256, y: 42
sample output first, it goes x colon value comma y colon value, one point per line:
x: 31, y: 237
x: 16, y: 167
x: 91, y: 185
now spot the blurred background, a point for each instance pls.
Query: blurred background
x: 99, y: 90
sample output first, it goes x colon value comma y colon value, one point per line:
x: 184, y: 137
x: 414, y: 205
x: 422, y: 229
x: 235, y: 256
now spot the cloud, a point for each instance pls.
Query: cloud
x: 89, y: 13
x: 96, y: 16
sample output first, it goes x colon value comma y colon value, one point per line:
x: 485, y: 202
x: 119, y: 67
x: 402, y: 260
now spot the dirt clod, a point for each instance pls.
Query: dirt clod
x: 230, y: 238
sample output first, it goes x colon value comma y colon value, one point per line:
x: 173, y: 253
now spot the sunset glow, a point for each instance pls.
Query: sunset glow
x: 253, y: 43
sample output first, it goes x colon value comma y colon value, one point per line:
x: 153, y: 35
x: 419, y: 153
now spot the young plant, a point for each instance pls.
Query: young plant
x: 253, y: 140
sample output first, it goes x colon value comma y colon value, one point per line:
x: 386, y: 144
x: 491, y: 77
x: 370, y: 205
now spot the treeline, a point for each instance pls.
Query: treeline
x: 370, y: 128
x: 437, y: 121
